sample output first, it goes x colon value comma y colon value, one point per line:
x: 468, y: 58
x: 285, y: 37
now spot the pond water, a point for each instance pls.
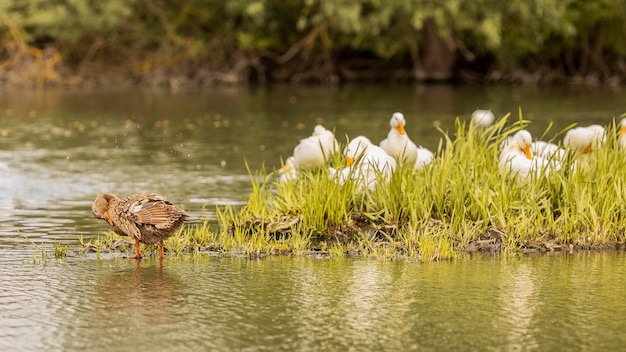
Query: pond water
x: 561, y: 302
x: 58, y: 150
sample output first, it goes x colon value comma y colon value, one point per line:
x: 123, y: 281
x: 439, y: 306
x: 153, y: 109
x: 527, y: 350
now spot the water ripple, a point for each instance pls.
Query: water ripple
x: 306, y: 304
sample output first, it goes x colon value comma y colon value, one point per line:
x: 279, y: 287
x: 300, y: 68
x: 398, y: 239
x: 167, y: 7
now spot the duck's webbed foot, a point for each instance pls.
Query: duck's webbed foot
x: 137, y: 254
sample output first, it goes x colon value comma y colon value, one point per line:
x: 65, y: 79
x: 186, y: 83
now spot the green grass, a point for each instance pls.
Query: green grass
x: 60, y: 251
x: 461, y: 202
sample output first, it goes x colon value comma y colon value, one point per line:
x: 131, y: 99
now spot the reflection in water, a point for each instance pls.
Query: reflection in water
x: 363, y: 303
x: 148, y: 291
x: 348, y: 305
x: 518, y: 300
x: 209, y: 303
x: 132, y: 305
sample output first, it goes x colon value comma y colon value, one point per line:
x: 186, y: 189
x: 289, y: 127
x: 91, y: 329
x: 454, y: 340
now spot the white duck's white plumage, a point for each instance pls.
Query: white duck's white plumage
x: 548, y: 151
x: 362, y: 176
x: 517, y: 160
x: 366, y: 163
x: 398, y: 144
x: 482, y: 118
x: 311, y: 153
x: 584, y: 140
x: 424, y: 157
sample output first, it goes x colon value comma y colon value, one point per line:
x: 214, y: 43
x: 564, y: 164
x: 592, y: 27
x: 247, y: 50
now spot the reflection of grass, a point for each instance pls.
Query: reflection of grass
x: 461, y: 202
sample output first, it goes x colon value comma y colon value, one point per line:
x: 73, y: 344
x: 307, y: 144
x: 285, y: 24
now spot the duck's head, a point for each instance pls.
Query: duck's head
x: 398, y: 122
x: 102, y: 205
x: 290, y: 164
x: 355, y: 149
x: 598, y: 137
x: 318, y: 130
x: 483, y: 118
x: 523, y: 140
x: 584, y: 139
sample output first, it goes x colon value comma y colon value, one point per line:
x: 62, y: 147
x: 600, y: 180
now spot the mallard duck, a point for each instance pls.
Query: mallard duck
x: 398, y: 144
x: 312, y: 152
x: 482, y: 118
x: 148, y: 218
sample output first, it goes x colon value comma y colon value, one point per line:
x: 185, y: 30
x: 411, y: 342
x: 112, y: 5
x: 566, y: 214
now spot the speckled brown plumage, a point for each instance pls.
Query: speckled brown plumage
x: 148, y: 218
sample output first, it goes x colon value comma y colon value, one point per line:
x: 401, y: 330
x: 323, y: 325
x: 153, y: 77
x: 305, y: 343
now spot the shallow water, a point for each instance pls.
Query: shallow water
x: 560, y: 302
x: 58, y: 150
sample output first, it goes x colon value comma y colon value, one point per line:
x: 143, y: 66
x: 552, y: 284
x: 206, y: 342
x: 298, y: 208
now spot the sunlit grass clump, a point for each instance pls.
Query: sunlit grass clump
x: 460, y: 202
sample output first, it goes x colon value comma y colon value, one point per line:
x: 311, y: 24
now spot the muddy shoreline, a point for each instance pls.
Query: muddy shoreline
x: 41, y: 74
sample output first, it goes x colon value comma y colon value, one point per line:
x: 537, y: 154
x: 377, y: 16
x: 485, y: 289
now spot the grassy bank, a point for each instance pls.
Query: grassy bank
x: 461, y: 202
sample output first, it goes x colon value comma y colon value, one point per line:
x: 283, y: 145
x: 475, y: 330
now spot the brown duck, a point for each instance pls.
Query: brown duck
x: 148, y: 218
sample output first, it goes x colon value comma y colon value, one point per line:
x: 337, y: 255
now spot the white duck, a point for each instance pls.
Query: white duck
x: 365, y: 162
x: 584, y: 140
x: 398, y: 144
x: 360, y: 150
x: 312, y: 152
x: 517, y: 160
x: 482, y: 118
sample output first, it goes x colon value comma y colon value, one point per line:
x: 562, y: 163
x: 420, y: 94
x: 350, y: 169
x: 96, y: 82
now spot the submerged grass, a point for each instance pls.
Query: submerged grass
x: 460, y: 202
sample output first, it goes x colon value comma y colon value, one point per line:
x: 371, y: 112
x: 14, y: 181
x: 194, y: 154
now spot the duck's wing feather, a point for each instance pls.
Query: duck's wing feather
x: 152, y: 209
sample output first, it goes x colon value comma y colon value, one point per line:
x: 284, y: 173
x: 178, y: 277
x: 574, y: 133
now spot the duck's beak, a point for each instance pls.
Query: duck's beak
x: 108, y: 219
x: 285, y: 168
x: 588, y: 149
x: 621, y: 131
x: 401, y: 129
x: 527, y: 152
x: 349, y: 161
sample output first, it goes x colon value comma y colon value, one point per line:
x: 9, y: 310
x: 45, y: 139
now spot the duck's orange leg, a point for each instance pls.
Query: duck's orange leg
x: 137, y: 253
x: 161, y: 249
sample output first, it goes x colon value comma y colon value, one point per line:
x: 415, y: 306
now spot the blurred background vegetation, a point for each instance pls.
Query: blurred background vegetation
x: 208, y: 42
